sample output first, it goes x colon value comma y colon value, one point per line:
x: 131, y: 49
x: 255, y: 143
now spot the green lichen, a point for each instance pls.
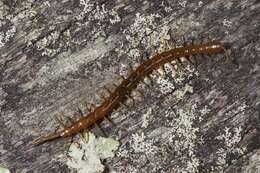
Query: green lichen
x: 4, y: 170
x: 85, y: 156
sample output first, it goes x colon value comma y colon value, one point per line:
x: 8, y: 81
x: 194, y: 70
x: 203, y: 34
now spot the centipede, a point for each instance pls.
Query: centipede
x: 122, y: 92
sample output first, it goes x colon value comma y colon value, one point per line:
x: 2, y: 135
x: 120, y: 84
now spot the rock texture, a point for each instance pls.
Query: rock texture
x: 56, y: 55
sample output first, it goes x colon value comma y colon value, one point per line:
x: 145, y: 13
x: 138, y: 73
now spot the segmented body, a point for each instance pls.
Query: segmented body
x: 121, y: 92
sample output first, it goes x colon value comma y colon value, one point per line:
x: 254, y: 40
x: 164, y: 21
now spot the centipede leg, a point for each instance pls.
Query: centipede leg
x: 68, y: 142
x: 188, y: 58
x: 201, y: 38
x: 192, y: 41
x: 102, y: 97
x: 146, y: 84
x: 120, y: 77
x: 131, y: 68
x: 124, y: 105
x: 100, y: 130
x: 84, y: 136
x: 80, y: 112
x: 184, y: 40
x: 88, y: 108
x: 59, y: 121
x: 139, y: 92
x: 161, y: 71
x: 130, y: 97
x: 227, y: 55
x: 69, y: 119
x: 180, y: 63
x: 108, y: 90
x: 150, y: 79
x: 196, y: 61
x: 109, y: 121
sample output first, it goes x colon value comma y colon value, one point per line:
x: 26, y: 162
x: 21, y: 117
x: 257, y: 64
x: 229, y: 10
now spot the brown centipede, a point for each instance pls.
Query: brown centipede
x: 121, y: 92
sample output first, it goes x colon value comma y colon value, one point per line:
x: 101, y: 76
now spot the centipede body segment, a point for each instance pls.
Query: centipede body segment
x: 122, y: 92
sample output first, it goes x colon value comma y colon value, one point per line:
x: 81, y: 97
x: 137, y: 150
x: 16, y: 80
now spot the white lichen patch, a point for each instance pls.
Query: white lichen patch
x: 4, y: 170
x: 144, y: 32
x: 98, y: 13
x: 6, y: 36
x: 43, y: 44
x: 180, y: 93
x: 140, y: 144
x: 227, y: 23
x: 86, y: 157
x: 165, y: 85
x: 230, y: 139
x: 145, y: 118
x: 182, y: 3
x: 185, y: 74
x: 240, y: 109
x: 184, y: 138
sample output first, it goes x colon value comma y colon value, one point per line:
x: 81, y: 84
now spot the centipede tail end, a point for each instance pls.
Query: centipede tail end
x: 44, y: 139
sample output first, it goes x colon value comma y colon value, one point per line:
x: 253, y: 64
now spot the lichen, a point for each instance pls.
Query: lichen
x: 143, y: 33
x: 4, y: 170
x: 7, y: 35
x: 86, y: 157
x: 230, y: 139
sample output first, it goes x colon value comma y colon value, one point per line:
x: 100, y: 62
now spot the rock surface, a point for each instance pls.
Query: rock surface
x: 56, y: 55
